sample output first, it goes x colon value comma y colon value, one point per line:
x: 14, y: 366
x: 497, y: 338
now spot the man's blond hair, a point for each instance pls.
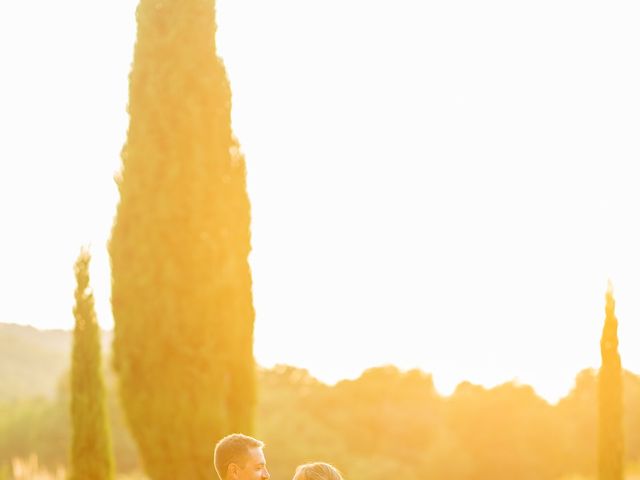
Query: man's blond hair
x: 233, y: 448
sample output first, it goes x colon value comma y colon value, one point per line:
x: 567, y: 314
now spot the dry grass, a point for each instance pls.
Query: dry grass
x: 29, y: 469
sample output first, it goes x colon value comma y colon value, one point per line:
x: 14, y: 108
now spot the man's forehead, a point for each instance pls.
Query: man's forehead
x: 256, y: 455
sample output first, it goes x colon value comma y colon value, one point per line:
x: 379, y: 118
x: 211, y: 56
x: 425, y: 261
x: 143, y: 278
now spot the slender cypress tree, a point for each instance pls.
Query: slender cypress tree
x: 91, y: 454
x: 181, y: 284
x: 610, y: 435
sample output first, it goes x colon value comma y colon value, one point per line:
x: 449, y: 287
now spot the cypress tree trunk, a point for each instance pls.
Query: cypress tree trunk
x: 91, y: 455
x: 610, y: 435
x: 181, y: 284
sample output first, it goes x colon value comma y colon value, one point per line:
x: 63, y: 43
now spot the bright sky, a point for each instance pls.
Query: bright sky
x: 441, y: 184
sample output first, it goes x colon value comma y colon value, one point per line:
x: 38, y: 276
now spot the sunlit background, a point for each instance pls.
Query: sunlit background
x: 446, y: 185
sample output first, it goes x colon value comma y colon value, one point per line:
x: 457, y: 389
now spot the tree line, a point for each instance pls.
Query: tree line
x: 385, y: 421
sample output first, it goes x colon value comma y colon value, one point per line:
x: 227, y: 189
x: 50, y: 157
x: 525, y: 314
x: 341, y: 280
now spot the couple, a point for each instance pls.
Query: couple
x: 239, y: 457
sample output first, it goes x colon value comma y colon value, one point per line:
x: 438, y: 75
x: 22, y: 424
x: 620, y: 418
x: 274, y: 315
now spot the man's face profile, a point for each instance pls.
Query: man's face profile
x: 254, y: 468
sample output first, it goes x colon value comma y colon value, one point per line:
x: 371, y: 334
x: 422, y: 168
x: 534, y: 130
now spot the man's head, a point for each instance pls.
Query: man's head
x: 240, y: 457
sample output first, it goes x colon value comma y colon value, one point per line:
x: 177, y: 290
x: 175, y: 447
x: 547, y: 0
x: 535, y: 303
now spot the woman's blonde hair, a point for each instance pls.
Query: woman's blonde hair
x: 317, y: 471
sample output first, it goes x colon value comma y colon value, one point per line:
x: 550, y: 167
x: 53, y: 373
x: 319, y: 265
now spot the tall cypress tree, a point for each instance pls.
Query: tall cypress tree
x: 610, y: 435
x: 181, y: 284
x: 91, y: 454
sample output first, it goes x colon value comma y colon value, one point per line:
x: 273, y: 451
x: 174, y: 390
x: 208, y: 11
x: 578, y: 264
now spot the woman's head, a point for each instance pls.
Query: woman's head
x: 317, y: 471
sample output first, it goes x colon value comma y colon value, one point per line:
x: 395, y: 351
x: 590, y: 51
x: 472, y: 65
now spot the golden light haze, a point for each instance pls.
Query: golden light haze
x: 433, y: 184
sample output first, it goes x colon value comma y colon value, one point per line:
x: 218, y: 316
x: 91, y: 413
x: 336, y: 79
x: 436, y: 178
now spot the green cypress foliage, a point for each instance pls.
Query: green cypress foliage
x: 610, y: 435
x: 181, y: 284
x: 91, y: 455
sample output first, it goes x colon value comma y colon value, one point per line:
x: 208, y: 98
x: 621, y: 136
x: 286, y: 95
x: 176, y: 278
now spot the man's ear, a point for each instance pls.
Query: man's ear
x: 232, y: 471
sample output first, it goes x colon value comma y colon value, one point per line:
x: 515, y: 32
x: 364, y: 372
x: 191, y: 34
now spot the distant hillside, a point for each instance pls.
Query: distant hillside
x: 32, y: 361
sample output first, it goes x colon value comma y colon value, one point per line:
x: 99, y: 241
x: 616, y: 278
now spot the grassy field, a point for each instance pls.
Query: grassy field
x: 29, y: 469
